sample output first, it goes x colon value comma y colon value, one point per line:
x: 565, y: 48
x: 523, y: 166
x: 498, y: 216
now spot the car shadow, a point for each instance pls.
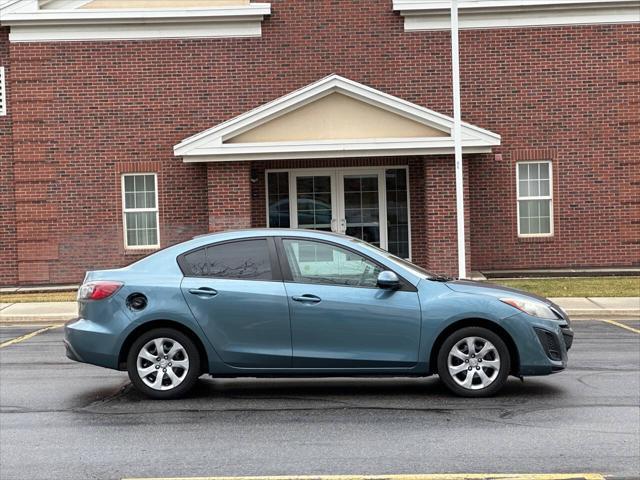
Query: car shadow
x: 426, y: 395
x: 302, y: 388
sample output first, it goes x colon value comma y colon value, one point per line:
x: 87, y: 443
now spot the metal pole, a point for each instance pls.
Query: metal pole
x: 457, y: 140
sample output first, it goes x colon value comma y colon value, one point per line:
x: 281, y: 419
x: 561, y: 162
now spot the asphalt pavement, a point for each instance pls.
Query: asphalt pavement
x: 64, y: 420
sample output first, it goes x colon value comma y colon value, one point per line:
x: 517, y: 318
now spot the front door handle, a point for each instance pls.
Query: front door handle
x: 203, y: 292
x: 306, y: 298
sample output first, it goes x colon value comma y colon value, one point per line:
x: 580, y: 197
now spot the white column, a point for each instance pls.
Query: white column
x: 457, y: 129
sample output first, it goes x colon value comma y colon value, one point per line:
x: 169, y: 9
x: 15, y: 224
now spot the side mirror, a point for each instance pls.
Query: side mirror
x: 388, y: 280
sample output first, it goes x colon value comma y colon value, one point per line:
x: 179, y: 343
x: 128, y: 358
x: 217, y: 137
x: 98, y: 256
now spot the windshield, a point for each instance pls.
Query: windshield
x: 415, y: 269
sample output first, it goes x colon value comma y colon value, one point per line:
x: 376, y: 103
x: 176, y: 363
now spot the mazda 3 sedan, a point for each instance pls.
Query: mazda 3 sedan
x: 281, y: 303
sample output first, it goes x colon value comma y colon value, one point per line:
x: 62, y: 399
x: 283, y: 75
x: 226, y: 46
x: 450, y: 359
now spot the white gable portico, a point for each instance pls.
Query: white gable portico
x: 333, y: 118
x: 317, y: 151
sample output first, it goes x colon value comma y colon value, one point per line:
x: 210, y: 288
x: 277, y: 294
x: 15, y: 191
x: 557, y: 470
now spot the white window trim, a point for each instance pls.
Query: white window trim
x: 345, y: 170
x: 4, y: 98
x: 539, y: 197
x: 140, y: 210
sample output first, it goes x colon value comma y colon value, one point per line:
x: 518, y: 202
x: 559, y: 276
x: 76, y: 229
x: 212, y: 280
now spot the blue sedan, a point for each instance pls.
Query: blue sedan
x: 278, y: 302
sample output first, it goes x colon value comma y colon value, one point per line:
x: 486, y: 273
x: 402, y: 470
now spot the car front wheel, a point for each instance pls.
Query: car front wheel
x: 474, y: 362
x: 163, y: 363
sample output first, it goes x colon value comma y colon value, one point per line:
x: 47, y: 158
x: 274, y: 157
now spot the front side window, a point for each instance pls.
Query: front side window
x: 140, y: 210
x: 243, y: 260
x: 535, y: 199
x: 323, y: 263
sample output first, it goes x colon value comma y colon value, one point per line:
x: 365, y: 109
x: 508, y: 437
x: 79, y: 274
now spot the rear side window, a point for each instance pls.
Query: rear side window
x: 245, y: 260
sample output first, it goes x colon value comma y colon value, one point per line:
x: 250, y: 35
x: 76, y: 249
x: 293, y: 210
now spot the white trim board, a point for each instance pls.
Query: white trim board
x: 210, y: 145
x: 435, y: 15
x: 30, y: 24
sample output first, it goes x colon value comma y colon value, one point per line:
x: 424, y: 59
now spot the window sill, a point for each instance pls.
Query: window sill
x: 140, y: 251
x: 540, y: 239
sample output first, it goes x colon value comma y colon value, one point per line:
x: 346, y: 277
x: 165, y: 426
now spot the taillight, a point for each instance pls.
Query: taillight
x: 98, y: 290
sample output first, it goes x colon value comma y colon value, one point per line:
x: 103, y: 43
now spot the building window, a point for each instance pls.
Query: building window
x: 535, y: 198
x: 278, y: 199
x: 397, y: 212
x: 140, y: 210
x: 3, y: 93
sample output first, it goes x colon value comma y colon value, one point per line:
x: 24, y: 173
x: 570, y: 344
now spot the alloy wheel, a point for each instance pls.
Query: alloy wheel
x: 473, y: 363
x: 162, y: 363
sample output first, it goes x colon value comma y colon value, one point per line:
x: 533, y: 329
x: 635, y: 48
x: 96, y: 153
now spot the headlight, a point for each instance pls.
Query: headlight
x: 531, y: 307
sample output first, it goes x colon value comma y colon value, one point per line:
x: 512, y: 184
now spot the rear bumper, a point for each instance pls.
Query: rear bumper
x: 88, y: 342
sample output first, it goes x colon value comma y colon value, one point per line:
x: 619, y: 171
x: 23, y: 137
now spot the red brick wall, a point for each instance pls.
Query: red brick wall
x: 83, y: 110
x: 570, y: 95
x: 229, y: 186
x: 440, y: 210
x: 8, y: 263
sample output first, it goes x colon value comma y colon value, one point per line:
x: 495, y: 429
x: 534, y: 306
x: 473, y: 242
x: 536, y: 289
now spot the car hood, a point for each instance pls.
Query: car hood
x: 498, y: 291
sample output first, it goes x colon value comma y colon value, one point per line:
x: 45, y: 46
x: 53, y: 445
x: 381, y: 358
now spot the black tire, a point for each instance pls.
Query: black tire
x: 188, y: 379
x: 476, y: 391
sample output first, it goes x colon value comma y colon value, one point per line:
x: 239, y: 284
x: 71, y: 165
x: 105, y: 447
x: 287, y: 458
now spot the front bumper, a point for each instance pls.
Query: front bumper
x: 543, y: 345
x: 567, y: 335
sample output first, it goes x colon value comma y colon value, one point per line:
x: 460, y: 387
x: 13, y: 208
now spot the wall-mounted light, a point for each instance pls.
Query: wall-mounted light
x: 254, y: 176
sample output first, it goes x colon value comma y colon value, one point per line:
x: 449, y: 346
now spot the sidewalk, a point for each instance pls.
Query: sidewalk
x: 43, y: 312
x: 599, y: 307
x: 577, y: 308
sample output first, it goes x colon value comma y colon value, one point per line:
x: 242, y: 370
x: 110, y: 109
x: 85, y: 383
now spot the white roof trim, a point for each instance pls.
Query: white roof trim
x: 29, y: 23
x: 209, y: 145
x: 434, y: 14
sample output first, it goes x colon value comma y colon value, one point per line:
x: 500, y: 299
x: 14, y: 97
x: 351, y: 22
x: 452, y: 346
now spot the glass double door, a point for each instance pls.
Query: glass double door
x: 346, y: 202
x: 368, y: 203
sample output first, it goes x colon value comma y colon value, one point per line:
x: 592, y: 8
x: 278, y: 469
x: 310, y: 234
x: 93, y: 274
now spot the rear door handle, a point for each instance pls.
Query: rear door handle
x: 306, y: 298
x: 203, y: 292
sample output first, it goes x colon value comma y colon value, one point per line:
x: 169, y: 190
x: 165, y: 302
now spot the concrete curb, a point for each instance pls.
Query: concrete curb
x: 604, y: 316
x: 42, y: 320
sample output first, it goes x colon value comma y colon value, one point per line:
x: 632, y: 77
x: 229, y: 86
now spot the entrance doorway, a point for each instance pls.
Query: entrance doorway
x: 371, y: 204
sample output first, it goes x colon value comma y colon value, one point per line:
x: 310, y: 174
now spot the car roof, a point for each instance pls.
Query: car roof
x: 267, y: 232
x: 231, y: 235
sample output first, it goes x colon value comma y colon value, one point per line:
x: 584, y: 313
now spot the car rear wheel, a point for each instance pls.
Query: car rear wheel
x: 163, y: 363
x: 474, y: 362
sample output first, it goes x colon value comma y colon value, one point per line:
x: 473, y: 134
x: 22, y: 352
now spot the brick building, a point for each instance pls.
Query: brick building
x: 129, y: 125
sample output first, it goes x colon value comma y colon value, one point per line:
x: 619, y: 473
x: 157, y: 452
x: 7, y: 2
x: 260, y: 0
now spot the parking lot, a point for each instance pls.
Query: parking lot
x: 65, y: 420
